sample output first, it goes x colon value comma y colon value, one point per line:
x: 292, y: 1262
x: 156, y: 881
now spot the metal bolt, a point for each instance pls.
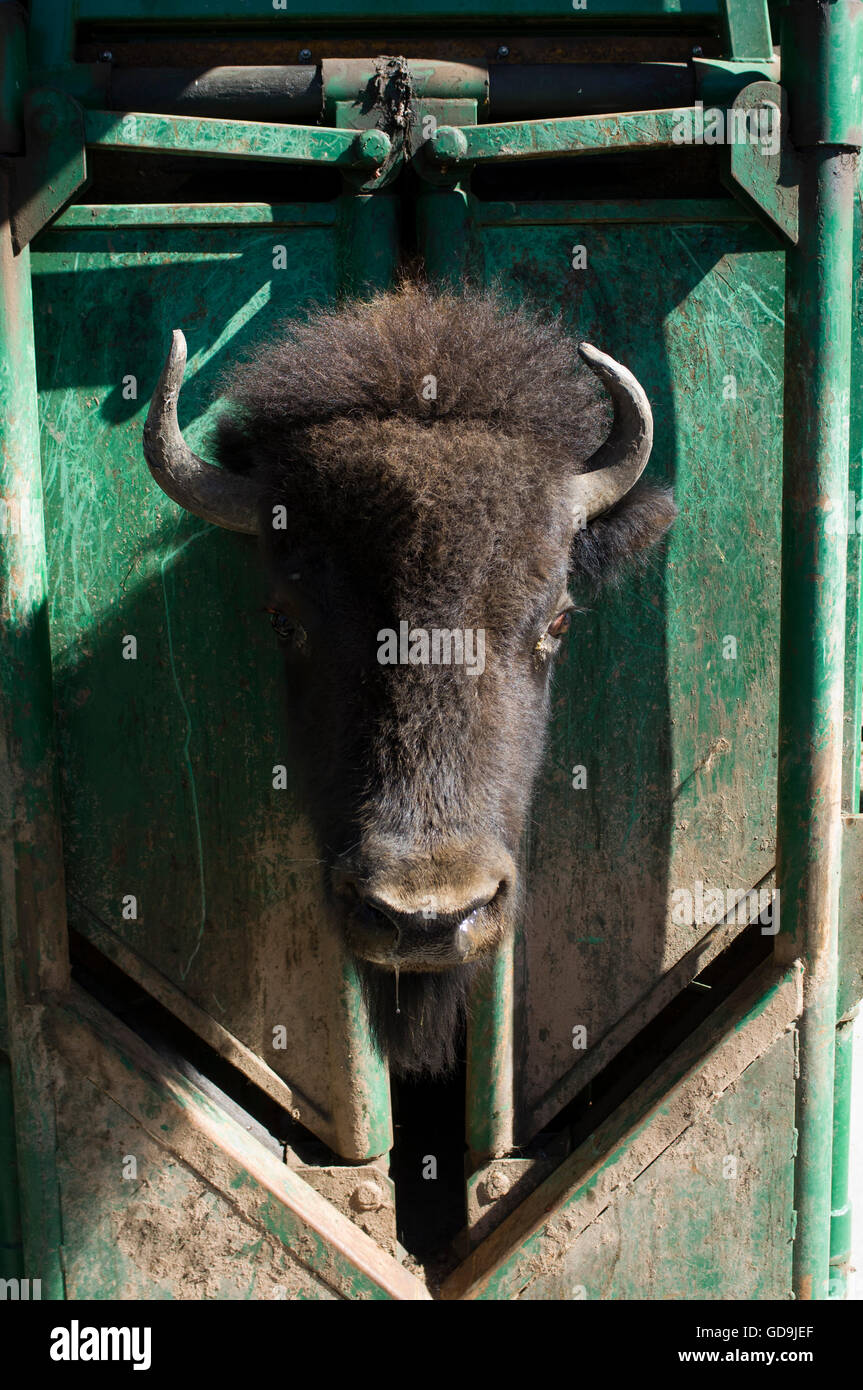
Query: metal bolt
x: 495, y: 1184
x: 371, y: 148
x: 304, y: 55
x: 106, y: 57
x: 503, y: 51
x: 46, y: 120
x: 448, y: 144
x: 696, y: 52
x: 368, y: 1197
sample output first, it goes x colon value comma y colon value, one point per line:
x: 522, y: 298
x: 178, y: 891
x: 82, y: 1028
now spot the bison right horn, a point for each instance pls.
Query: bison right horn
x: 618, y: 464
x: 211, y: 493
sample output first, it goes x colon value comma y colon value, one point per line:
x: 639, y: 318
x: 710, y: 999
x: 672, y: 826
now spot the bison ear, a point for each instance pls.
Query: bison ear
x: 602, y: 550
x: 230, y: 444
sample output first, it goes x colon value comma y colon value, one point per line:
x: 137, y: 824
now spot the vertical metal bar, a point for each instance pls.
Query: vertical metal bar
x: 366, y: 1126
x: 811, y: 695
x: 32, y: 892
x: 368, y: 232
x: 368, y: 257
x: 745, y: 29
x: 51, y: 33
x: 11, y: 1262
x: 489, y: 1101
x: 451, y: 257
x: 854, y: 591
x: 32, y: 895
x: 849, y: 926
x: 840, y: 1204
x: 444, y: 231
x: 13, y: 67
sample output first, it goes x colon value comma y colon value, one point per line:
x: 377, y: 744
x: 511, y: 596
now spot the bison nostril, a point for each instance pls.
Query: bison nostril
x: 402, y: 920
x: 378, y: 920
x: 430, y: 920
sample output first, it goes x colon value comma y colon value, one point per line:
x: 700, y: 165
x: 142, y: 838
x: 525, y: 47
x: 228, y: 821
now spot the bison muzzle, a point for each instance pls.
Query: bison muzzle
x: 425, y: 474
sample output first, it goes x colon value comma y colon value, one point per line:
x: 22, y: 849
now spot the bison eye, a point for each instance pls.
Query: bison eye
x: 286, y: 628
x: 560, y: 625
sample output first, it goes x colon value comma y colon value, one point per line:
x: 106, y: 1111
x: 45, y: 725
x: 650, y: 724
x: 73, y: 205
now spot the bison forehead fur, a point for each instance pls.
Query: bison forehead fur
x: 422, y: 448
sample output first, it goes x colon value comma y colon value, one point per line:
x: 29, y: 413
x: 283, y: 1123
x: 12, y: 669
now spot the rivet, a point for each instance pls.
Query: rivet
x: 368, y: 1197
x: 496, y: 1184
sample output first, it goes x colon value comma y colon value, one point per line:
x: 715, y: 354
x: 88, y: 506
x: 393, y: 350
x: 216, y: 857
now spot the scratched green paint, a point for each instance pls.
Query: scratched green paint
x: 644, y: 690
x: 167, y: 760
x: 685, y: 1228
x: 162, y: 1232
x: 642, y: 130
x: 251, y: 140
x: 682, y: 1229
x: 198, y: 214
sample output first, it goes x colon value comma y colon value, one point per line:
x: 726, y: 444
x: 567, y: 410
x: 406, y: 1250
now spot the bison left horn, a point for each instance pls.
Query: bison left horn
x: 618, y: 463
x: 211, y: 493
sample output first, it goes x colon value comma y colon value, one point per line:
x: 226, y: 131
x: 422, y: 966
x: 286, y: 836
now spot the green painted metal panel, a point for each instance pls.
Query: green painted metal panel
x: 169, y: 759
x: 746, y: 29
x: 165, y: 1196
x: 719, y: 1155
x: 667, y: 691
x: 711, y: 1218
x: 142, y: 1225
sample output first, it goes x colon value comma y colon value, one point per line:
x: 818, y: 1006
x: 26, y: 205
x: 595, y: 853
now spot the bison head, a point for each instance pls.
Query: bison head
x: 423, y: 473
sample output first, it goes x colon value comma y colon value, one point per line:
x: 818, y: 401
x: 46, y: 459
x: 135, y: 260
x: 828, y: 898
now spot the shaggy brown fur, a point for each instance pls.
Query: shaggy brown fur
x: 447, y: 512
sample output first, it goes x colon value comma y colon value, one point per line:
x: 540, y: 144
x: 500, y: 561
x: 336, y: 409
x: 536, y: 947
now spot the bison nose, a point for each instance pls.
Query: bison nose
x: 428, y: 933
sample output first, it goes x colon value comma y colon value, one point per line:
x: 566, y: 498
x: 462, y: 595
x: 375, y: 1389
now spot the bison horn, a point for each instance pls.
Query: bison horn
x: 211, y: 493
x: 619, y: 462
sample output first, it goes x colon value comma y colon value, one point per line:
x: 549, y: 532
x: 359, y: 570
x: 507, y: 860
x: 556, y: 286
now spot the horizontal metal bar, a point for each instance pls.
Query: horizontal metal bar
x: 544, y: 139
x: 285, y: 94
x: 352, y: 79
x: 634, y: 210
x: 107, y: 215
x: 508, y: 91
x: 583, y: 89
x: 415, y: 11
x: 223, y: 139
x: 304, y: 94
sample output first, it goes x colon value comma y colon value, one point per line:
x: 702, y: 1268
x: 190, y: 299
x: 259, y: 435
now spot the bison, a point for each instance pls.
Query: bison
x: 423, y: 473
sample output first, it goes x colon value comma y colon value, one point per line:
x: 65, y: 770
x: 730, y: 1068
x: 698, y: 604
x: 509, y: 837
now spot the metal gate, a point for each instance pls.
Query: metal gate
x: 658, y: 1072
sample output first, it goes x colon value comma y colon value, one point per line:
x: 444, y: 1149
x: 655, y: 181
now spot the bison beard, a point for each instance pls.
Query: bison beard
x: 427, y: 450
x: 423, y: 1036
